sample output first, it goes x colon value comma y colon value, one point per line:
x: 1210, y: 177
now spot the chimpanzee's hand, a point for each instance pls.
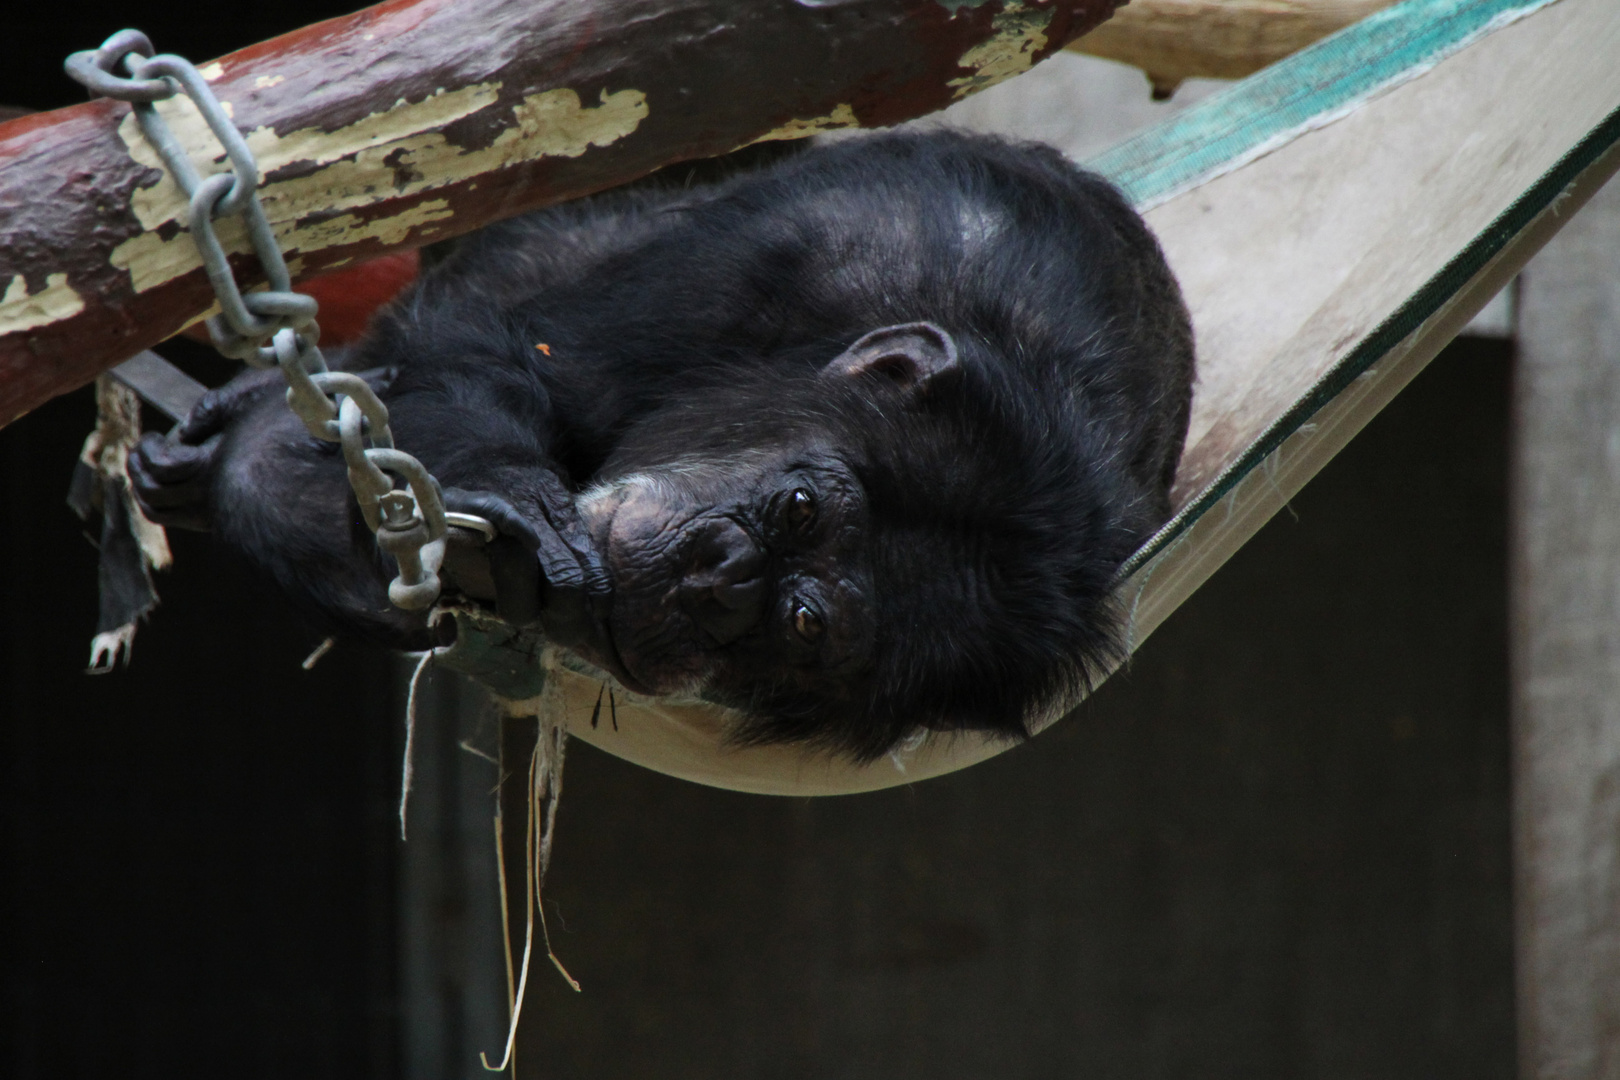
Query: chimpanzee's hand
x: 554, y: 541
x: 171, y: 474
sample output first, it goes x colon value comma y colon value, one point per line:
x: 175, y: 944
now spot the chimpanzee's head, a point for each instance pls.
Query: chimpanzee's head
x: 908, y: 536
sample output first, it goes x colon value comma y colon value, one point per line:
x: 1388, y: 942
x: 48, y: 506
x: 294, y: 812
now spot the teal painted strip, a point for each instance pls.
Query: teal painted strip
x: 1332, y: 75
x: 1408, y: 317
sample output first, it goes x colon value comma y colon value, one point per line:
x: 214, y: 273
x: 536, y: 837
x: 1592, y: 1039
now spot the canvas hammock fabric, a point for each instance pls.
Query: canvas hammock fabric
x: 1334, y: 220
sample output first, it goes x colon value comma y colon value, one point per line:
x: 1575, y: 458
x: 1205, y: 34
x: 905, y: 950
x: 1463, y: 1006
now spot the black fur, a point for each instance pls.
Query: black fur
x: 990, y: 506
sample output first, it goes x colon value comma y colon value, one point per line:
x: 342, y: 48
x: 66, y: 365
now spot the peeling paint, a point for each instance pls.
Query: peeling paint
x: 404, y: 124
x: 842, y: 116
x: 210, y: 72
x: 1017, y: 34
x: 21, y: 310
x: 560, y: 125
x: 400, y: 151
x: 264, y: 82
x: 151, y: 260
x: 349, y: 229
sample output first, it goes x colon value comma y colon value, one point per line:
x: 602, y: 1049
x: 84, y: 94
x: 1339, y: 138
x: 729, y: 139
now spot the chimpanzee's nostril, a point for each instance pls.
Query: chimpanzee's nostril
x: 741, y: 595
x: 724, y: 591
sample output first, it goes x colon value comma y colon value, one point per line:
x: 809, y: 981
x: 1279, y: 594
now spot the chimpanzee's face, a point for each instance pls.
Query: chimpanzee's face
x: 735, y: 534
x: 736, y: 577
x: 832, y: 553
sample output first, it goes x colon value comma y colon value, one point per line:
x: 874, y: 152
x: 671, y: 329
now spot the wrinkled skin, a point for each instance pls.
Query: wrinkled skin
x: 774, y: 546
x: 853, y: 445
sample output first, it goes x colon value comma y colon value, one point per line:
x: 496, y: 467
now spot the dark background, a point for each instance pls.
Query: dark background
x: 1276, y: 847
x: 199, y: 861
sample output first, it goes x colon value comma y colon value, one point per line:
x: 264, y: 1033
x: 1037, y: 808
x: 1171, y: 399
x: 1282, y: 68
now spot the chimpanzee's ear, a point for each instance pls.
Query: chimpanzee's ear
x: 911, y: 355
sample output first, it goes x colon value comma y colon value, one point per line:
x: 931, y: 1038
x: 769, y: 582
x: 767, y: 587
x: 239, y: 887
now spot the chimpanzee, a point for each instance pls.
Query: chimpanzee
x: 854, y: 444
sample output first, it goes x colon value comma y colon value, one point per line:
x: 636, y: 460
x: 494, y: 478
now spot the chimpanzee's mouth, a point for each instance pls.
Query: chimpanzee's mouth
x: 593, y: 639
x: 616, y: 666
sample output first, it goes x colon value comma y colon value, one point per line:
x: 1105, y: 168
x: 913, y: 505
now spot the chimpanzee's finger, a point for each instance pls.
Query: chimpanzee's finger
x: 220, y: 406
x: 558, y: 561
x: 557, y: 504
x: 167, y: 462
x: 495, y: 510
x: 170, y: 482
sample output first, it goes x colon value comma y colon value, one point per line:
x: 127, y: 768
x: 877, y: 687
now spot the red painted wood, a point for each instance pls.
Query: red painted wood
x: 717, y: 74
x: 350, y: 297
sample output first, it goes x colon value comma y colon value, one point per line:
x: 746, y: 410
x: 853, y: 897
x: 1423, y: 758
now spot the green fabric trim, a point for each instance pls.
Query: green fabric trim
x: 1298, y: 93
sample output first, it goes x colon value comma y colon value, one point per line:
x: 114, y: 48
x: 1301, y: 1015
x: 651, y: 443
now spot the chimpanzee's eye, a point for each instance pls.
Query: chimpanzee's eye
x: 799, y: 510
x: 807, y: 624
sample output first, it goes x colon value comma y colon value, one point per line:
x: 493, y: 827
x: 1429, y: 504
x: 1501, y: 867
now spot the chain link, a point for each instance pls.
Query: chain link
x: 335, y: 406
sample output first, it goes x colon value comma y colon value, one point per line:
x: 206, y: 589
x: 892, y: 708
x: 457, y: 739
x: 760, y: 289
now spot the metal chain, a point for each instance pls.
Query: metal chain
x: 334, y: 406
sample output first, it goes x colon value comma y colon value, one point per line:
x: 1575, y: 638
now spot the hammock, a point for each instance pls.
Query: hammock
x: 1334, y: 221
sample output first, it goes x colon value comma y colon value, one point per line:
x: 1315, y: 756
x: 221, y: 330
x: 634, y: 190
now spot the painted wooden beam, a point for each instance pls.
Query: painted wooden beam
x: 416, y: 120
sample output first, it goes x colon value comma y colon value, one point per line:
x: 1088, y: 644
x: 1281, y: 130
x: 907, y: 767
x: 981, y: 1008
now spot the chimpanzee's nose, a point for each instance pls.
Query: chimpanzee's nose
x: 724, y: 588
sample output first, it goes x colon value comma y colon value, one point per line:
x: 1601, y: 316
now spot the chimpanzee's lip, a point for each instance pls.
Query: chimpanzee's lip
x: 618, y: 668
x: 605, y: 649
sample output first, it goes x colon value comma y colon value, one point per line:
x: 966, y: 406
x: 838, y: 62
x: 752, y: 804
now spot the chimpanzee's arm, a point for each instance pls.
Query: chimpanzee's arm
x: 485, y: 429
x: 243, y: 467
x: 464, y: 396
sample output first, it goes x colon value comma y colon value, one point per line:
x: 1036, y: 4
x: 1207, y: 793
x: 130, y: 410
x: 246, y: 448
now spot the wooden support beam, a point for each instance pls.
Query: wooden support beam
x: 1172, y: 40
x: 1566, y: 651
x: 419, y: 119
